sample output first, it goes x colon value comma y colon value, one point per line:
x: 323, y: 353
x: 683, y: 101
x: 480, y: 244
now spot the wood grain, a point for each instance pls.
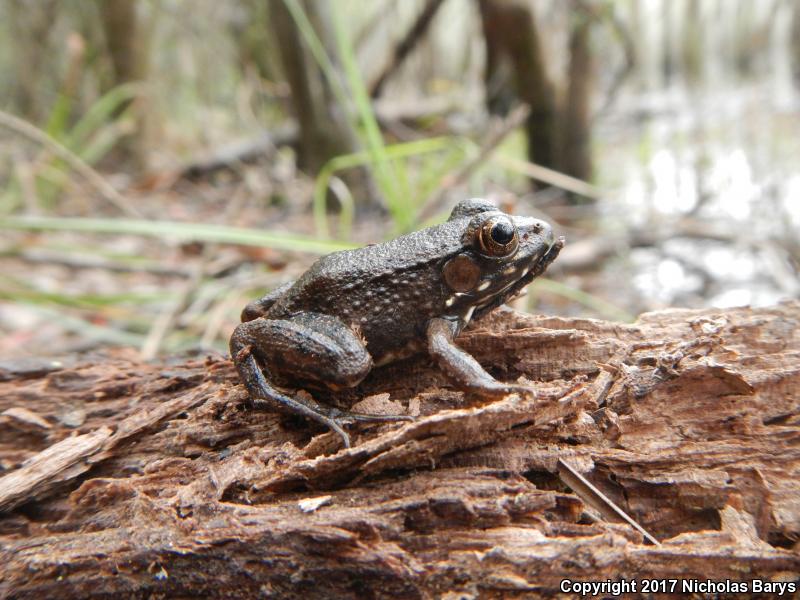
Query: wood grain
x: 120, y: 477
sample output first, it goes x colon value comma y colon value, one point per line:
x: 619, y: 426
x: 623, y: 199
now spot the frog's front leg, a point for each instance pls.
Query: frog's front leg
x: 259, y: 308
x: 461, y: 367
x: 307, y: 347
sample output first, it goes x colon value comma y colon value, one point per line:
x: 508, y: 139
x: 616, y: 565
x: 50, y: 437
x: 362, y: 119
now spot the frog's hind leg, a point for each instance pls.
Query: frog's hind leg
x: 307, y: 347
x: 261, y: 391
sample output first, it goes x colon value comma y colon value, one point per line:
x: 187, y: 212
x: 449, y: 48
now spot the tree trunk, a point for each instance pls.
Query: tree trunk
x: 576, y: 120
x: 31, y: 24
x: 669, y: 43
x: 127, y: 44
x: 692, y: 43
x: 325, y: 129
x: 794, y: 44
x: 516, y: 68
x: 141, y: 480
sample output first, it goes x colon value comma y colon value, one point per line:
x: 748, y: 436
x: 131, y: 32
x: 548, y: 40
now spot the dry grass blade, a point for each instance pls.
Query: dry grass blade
x: 597, y: 499
x: 549, y: 176
x: 93, y: 177
x: 488, y: 146
x: 165, y: 322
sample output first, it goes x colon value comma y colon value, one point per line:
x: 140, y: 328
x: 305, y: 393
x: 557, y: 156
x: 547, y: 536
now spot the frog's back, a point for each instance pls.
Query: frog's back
x: 388, y: 291
x: 397, y: 255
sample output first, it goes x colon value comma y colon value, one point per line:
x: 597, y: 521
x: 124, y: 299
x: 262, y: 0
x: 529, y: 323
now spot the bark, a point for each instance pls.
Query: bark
x: 149, y: 480
x: 120, y: 23
x: 516, y: 68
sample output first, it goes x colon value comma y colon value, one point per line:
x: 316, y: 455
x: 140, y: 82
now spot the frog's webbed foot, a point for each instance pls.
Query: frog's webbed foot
x: 462, y: 368
x: 310, y: 347
x: 335, y: 419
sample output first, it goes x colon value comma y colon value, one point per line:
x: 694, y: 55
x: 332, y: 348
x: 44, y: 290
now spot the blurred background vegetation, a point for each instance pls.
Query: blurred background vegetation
x: 162, y: 162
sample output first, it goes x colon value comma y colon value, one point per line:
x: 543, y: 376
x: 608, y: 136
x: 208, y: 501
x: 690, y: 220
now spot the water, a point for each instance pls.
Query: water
x: 709, y: 180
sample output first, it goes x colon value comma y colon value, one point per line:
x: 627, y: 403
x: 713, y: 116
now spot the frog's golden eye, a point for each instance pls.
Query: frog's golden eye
x: 498, y: 236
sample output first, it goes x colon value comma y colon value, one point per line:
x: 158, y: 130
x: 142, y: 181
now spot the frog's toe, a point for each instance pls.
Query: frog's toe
x: 382, y: 418
x: 346, y: 417
x: 336, y: 419
x: 524, y: 390
x: 500, y: 390
x: 336, y: 426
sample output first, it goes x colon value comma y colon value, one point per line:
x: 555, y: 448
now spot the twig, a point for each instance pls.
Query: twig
x: 217, y: 317
x: 166, y: 320
x: 406, y: 45
x: 555, y: 178
x: 597, y: 499
x: 489, y: 145
x: 628, y: 49
x: 27, y: 185
x: 73, y: 160
x: 263, y: 144
x: 93, y: 262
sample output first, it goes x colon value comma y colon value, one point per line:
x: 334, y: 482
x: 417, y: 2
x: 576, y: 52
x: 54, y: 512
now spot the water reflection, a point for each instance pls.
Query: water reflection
x: 710, y: 181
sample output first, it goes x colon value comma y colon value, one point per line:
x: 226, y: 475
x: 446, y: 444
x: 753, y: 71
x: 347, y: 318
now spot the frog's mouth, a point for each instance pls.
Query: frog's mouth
x: 515, y: 287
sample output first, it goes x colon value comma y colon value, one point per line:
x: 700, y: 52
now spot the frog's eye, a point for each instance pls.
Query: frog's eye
x: 498, y: 236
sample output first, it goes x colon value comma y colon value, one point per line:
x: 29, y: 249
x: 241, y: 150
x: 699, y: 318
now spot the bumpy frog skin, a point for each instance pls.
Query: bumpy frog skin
x: 357, y: 309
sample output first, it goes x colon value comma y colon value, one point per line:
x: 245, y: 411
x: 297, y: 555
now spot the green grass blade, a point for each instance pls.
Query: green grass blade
x: 102, y: 142
x: 318, y: 51
x: 172, y: 230
x: 58, y: 120
x: 367, y: 125
x: 384, y: 170
x: 88, y: 330
x: 82, y: 301
x: 100, y: 113
x: 348, y: 161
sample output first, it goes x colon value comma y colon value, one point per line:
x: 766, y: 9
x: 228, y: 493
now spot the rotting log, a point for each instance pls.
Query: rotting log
x: 155, y: 479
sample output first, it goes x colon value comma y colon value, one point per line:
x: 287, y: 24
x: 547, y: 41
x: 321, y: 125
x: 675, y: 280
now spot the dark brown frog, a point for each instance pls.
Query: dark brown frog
x: 358, y: 309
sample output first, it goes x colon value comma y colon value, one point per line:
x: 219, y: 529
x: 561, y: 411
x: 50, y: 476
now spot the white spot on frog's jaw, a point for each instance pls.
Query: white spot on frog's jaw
x: 449, y: 302
x: 509, y: 270
x: 468, y: 314
x: 484, y: 285
x: 385, y: 359
x: 524, y: 272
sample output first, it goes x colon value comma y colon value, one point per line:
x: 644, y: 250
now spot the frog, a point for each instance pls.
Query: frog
x: 356, y: 310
